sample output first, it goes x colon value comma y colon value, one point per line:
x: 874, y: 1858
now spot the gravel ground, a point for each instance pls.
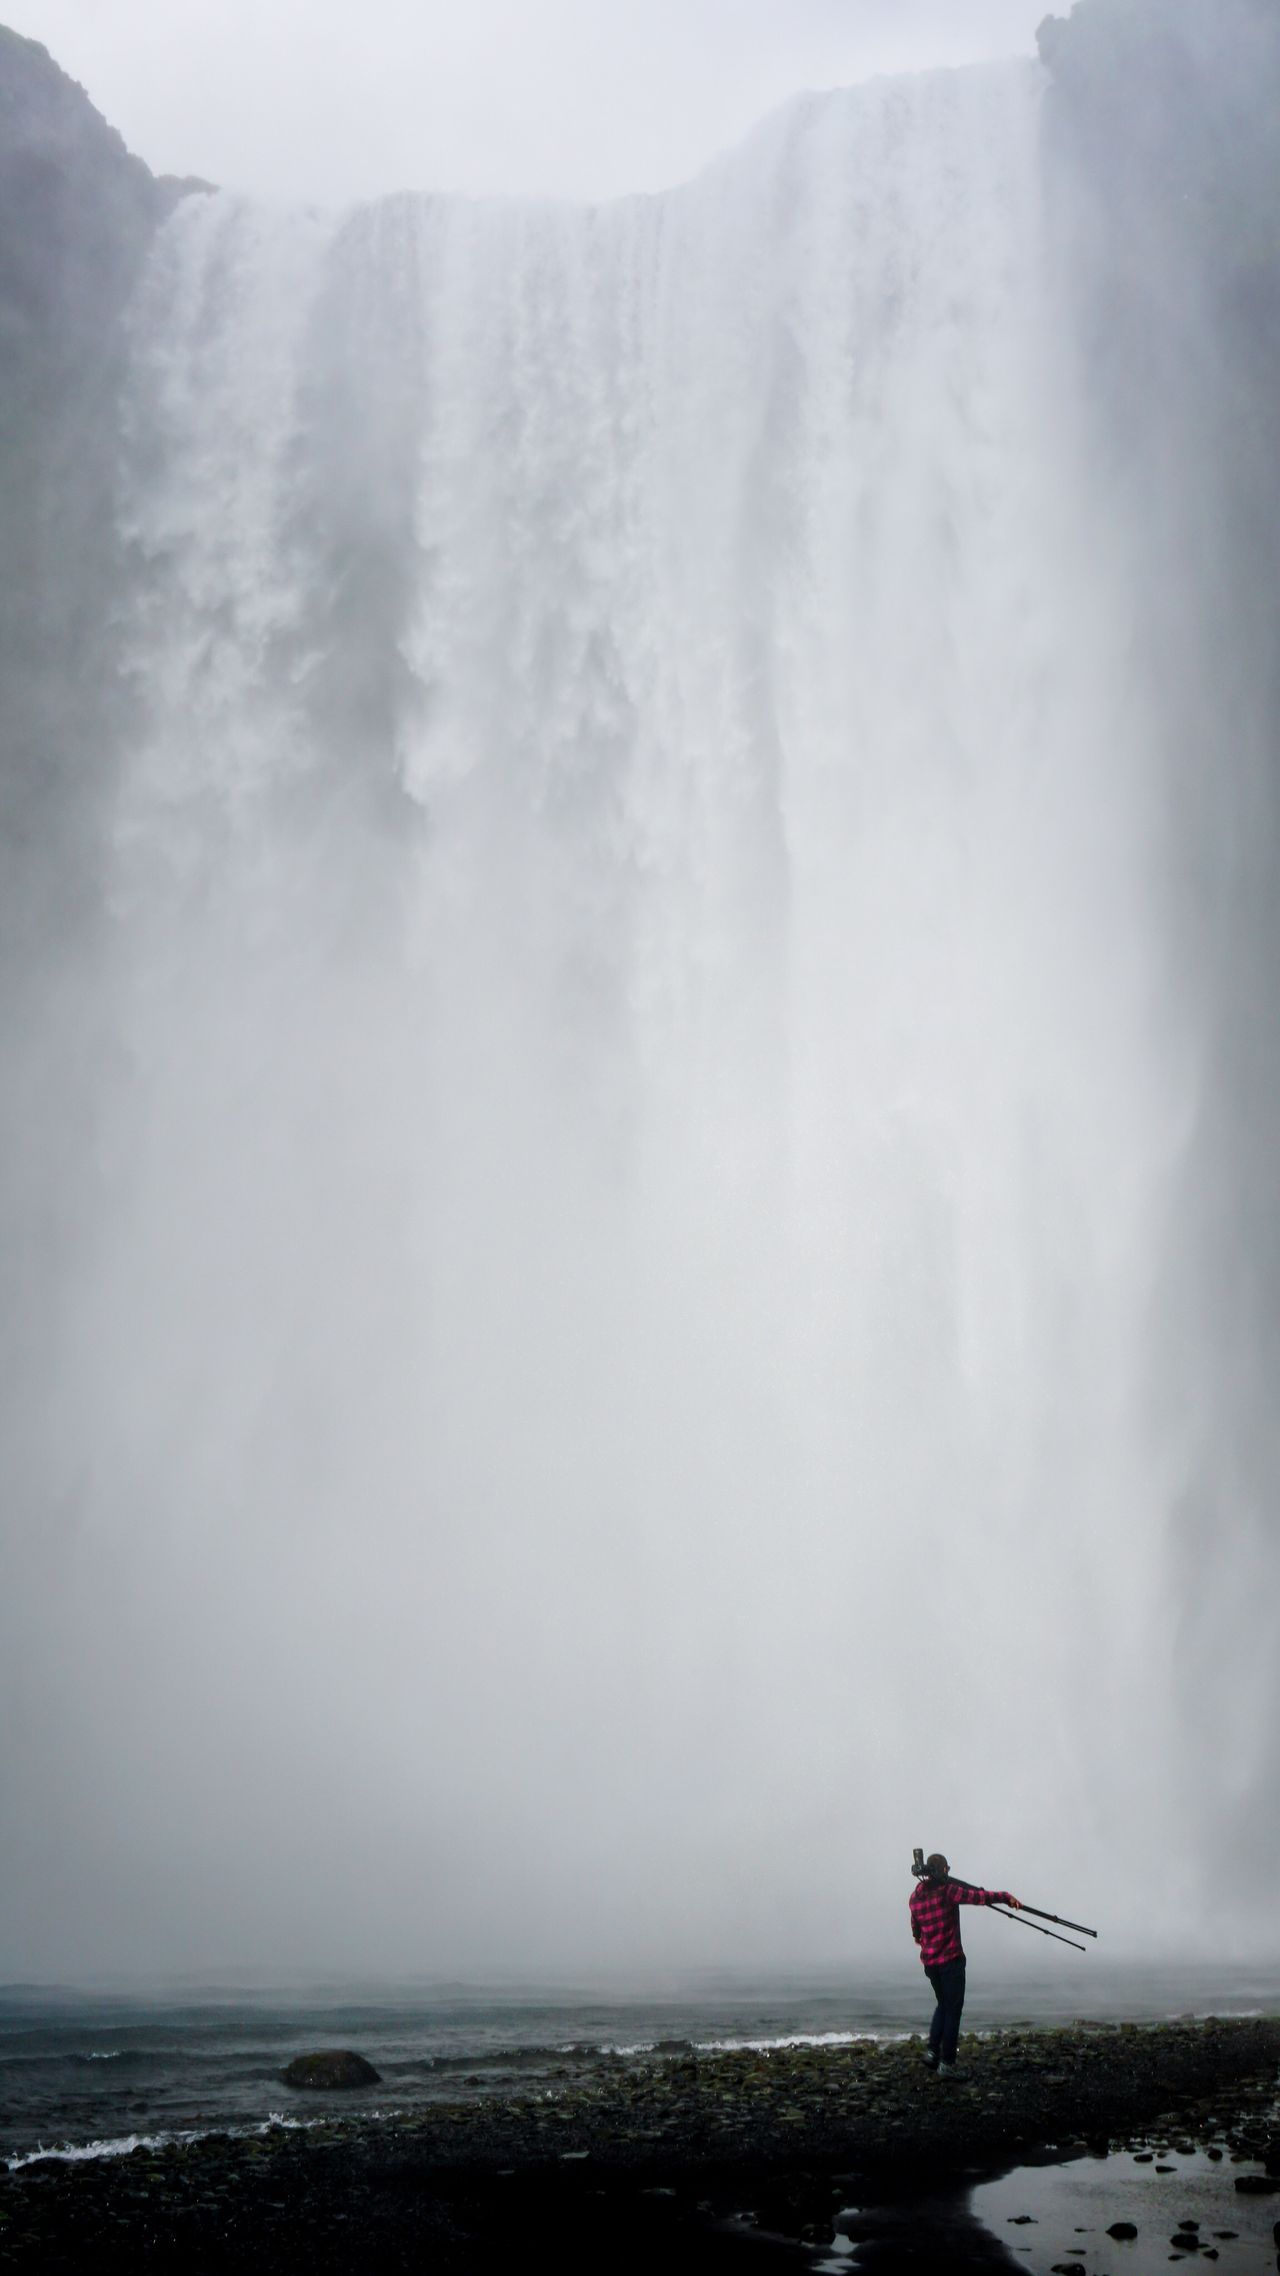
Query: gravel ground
x: 687, y: 2161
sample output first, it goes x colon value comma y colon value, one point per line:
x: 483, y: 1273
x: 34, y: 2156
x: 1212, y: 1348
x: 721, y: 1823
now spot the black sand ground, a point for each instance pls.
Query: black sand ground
x: 687, y: 2162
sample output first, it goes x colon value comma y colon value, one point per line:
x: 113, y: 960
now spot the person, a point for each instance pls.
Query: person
x: 935, y: 1925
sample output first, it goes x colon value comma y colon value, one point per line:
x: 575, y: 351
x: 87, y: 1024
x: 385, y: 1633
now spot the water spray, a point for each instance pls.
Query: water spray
x: 922, y: 1873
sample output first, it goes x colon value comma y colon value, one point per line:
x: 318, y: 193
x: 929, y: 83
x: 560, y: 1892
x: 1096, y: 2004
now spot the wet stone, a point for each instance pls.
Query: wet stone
x: 332, y: 2069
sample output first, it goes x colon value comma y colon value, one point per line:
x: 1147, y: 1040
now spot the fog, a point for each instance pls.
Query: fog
x: 608, y: 1346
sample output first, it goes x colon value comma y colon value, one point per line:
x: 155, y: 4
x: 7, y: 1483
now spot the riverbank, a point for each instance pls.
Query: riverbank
x: 686, y: 2160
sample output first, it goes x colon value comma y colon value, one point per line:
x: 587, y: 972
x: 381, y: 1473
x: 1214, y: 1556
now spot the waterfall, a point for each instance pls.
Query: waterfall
x: 642, y: 1114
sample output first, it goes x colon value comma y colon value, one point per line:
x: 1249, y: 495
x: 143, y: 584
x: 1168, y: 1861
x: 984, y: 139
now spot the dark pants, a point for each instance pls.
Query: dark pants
x: 948, y: 1990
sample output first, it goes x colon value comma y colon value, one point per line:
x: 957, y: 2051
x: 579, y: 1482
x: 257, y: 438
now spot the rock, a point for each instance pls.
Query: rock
x: 1123, y: 2229
x: 333, y: 2067
x: 1257, y: 2184
x: 77, y: 216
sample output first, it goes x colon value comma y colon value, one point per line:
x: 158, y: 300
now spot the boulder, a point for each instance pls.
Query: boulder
x: 333, y: 2068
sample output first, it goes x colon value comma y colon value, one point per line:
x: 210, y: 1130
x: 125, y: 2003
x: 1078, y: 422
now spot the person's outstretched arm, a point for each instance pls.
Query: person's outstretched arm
x: 982, y: 1896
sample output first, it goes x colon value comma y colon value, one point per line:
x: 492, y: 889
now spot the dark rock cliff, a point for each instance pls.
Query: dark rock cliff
x: 76, y: 214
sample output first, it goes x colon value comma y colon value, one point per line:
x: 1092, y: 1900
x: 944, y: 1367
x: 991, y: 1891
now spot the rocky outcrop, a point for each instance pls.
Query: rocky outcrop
x: 77, y: 207
x: 333, y: 2068
x: 76, y: 215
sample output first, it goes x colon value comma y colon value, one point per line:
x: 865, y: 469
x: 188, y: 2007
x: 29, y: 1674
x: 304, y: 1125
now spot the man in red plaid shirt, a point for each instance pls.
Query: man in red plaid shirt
x: 935, y: 1925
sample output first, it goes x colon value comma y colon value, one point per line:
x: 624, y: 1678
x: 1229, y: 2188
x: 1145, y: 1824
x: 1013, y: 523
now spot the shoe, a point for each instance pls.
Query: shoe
x: 931, y: 2062
x: 950, y: 2070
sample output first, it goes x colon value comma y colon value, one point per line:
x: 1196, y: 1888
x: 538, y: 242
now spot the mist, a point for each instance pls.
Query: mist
x: 621, y: 1089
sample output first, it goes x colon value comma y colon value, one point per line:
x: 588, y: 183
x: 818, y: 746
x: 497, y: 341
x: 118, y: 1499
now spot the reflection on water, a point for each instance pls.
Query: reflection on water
x: 1182, y: 2202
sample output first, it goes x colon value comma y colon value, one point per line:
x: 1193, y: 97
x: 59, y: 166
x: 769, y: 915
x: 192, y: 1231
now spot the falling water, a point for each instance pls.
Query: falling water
x: 610, y: 1398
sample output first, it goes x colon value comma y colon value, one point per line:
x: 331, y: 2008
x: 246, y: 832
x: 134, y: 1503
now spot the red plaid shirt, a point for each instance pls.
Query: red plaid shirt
x: 935, y: 1917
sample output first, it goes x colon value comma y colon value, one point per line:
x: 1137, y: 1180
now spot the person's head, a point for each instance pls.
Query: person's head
x: 936, y: 1866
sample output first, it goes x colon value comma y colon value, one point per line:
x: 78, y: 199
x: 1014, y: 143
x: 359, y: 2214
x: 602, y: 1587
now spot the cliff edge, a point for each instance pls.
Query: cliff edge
x: 77, y: 212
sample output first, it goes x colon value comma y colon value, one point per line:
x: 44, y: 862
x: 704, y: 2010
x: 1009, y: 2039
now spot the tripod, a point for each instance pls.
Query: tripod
x: 921, y: 1873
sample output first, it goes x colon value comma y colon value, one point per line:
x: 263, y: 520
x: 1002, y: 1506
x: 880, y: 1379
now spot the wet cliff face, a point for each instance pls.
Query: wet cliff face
x: 76, y: 215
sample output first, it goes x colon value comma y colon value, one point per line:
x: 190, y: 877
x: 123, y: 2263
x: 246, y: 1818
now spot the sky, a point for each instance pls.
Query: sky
x: 323, y: 101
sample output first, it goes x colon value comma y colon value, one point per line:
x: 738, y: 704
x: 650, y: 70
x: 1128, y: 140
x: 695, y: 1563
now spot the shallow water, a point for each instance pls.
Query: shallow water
x: 1049, y: 2215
